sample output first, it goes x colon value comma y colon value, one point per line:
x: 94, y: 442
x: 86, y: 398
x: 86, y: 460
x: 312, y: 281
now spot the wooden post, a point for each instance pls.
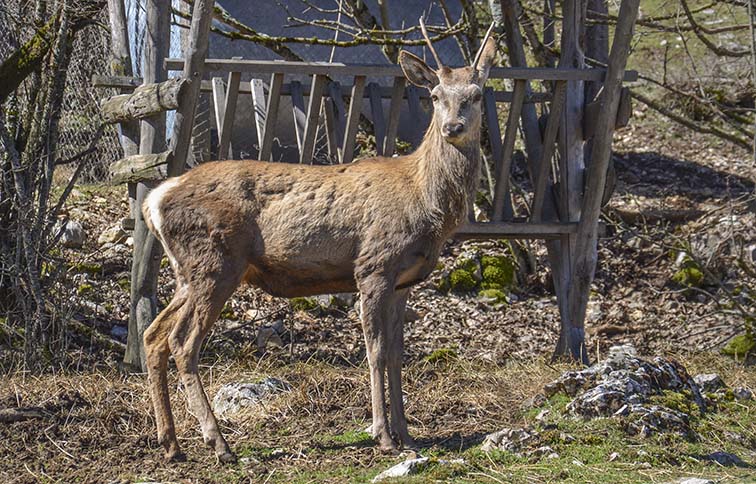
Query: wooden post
x: 194, y: 66
x: 147, y: 250
x: 586, y: 253
x: 571, y: 169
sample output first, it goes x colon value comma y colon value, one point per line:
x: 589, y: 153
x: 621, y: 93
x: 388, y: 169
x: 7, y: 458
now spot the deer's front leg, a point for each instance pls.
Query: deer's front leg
x: 394, y: 367
x: 375, y: 298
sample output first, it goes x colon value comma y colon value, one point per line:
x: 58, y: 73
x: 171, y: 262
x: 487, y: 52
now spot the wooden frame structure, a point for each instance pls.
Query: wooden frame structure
x: 565, y: 197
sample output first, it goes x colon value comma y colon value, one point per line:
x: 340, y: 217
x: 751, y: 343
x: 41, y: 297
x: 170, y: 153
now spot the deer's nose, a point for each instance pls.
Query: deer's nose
x: 453, y: 129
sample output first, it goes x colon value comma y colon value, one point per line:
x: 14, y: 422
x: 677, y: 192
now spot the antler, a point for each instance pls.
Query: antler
x: 482, y: 46
x: 430, y: 45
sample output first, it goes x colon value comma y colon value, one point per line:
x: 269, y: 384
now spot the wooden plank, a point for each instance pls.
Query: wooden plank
x: 504, y: 165
x: 229, y: 112
x: 510, y: 230
x: 313, y: 118
x: 127, y: 83
x: 353, y: 119
x: 259, y: 105
x: 395, y: 108
x: 298, y: 112
x: 549, y: 138
x: 376, y: 110
x: 274, y: 98
x: 335, y: 69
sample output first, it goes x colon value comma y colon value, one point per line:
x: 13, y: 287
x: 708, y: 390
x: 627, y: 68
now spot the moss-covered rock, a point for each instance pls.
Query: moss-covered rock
x: 461, y: 280
x: 303, y: 304
x: 442, y: 355
x: 690, y: 276
x: 84, y: 289
x: 741, y: 346
x: 494, y: 296
x: 499, y: 272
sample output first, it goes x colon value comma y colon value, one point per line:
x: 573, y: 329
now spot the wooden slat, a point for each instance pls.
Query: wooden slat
x: 298, y: 111
x: 376, y: 111
x: 395, y: 108
x: 353, y: 119
x: 259, y: 105
x: 339, y: 113
x: 504, y: 165
x: 219, y: 103
x: 509, y: 230
x: 274, y: 98
x: 549, y: 137
x: 377, y: 70
x: 333, y: 146
x: 313, y: 117
x: 229, y: 112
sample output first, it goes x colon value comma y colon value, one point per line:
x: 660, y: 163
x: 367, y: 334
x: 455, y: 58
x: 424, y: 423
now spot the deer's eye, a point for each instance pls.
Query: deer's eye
x: 434, y: 98
x: 476, y: 97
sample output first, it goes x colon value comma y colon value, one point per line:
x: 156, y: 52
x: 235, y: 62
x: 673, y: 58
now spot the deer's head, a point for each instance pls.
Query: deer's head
x: 456, y: 93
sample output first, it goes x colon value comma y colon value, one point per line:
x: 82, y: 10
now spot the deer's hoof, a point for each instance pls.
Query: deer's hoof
x: 174, y: 455
x: 227, y: 457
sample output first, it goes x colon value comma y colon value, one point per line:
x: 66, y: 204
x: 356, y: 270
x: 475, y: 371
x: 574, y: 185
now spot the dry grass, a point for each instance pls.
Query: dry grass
x: 99, y: 426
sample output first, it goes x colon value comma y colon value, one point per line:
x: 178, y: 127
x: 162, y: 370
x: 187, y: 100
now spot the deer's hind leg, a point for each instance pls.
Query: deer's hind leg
x: 157, y: 351
x: 209, y: 290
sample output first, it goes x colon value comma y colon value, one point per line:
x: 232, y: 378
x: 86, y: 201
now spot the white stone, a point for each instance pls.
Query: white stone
x: 73, y: 235
x: 232, y: 397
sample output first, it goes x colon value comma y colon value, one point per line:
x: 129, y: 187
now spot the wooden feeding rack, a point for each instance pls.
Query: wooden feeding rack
x: 567, y: 145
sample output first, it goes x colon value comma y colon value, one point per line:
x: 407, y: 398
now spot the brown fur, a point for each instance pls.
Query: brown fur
x: 375, y: 226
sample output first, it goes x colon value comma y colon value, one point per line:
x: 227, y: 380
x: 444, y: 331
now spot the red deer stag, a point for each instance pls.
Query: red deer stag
x: 375, y: 226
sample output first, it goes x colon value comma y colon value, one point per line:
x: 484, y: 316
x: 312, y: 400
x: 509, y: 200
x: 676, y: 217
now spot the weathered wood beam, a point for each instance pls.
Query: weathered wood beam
x: 140, y: 168
x: 335, y: 69
x: 193, y: 67
x: 127, y: 83
x: 147, y: 249
x: 146, y: 100
x: 313, y: 119
x: 513, y: 230
x: 504, y: 165
x: 586, y: 253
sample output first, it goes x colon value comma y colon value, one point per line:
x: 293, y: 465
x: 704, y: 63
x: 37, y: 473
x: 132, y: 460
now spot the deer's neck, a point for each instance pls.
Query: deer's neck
x: 447, y: 175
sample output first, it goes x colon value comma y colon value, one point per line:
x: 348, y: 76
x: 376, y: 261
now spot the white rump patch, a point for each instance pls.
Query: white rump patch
x: 154, y: 199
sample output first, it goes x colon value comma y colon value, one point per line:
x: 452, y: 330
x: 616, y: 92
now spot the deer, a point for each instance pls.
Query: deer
x: 376, y: 226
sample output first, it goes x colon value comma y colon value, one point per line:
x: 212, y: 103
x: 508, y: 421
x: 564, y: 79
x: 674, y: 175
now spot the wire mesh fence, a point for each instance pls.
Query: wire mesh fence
x: 79, y: 118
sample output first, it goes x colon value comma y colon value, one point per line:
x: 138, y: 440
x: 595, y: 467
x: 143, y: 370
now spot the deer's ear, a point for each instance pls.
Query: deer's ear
x: 487, y: 57
x: 417, y: 71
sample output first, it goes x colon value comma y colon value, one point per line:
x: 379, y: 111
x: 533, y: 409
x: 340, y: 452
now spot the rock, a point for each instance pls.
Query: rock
x: 268, y: 335
x: 695, y: 480
x: 545, y: 451
x: 709, y: 382
x: 73, y: 235
x: 742, y: 393
x: 648, y: 420
x: 119, y: 332
x: 410, y: 315
x: 232, y: 397
x: 112, y: 235
x: 412, y: 466
x: 725, y: 459
x: 406, y: 468
x: 509, y: 439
